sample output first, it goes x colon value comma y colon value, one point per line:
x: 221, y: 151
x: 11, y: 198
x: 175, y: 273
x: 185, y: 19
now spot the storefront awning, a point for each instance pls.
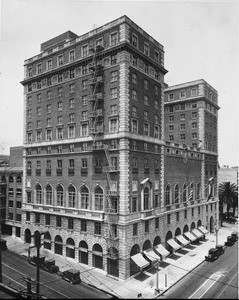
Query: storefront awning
x: 190, y: 236
x: 174, y: 244
x: 197, y: 233
x: 140, y: 260
x: 203, y: 229
x: 152, y: 255
x: 162, y: 251
x: 182, y: 240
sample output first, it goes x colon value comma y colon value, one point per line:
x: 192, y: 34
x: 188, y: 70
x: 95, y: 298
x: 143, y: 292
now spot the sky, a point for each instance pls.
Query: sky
x: 200, y: 39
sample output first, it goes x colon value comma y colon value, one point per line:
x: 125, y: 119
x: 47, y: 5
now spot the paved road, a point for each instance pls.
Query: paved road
x: 210, y: 280
x: 16, y: 268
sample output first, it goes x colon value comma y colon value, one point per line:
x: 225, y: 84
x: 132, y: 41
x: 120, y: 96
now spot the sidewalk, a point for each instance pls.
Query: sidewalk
x: 142, y: 286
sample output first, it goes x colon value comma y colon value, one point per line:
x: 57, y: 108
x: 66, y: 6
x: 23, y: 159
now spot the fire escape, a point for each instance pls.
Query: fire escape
x: 97, y: 132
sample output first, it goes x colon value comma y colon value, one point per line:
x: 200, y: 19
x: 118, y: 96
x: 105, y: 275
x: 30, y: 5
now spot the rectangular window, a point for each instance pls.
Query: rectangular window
x: 134, y: 95
x: 146, y: 49
x: 28, y: 216
x: 70, y: 223
x: 146, y: 84
x: 113, y: 110
x: 47, y: 219
x: 135, y: 40
x: 182, y: 126
x: 39, y: 68
x: 113, y: 59
x: 194, y: 115
x: 194, y: 125
x: 171, y: 96
x: 146, y: 100
x: 72, y: 88
x: 194, y: 92
x: 134, y: 126
x: 182, y: 117
x: 58, y: 221
x: 85, y: 49
x: 72, y: 55
x: 37, y: 218
x: 49, y: 64
x: 84, y: 100
x: 185, y: 214
x: 194, y: 135
x: 71, y: 131
x: 71, y: 148
x: 182, y: 94
x: 135, y: 229
x: 113, y: 93
x: 71, y: 163
x: 71, y: 118
x: 60, y: 91
x: 97, y: 228
x: 59, y: 106
x: 84, y: 116
x: 146, y: 226
x: 60, y: 60
x: 114, y: 38
x: 83, y: 226
x: 177, y: 216
x: 146, y: 129
x: 156, y: 223
x: 113, y: 76
x: 182, y: 137
x: 171, y: 128
x: 134, y: 78
x: 168, y: 219
x: 113, y: 125
x: 48, y: 109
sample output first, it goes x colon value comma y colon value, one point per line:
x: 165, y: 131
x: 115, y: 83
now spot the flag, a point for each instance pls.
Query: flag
x: 210, y: 187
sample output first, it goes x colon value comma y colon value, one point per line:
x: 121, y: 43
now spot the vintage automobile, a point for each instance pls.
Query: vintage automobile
x: 234, y: 235
x: 71, y: 275
x: 221, y: 249
x: 230, y: 241
x: 45, y: 264
x: 213, y: 254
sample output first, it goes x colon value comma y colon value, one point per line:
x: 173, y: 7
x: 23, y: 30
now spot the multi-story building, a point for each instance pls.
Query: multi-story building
x: 94, y: 150
x: 11, y: 193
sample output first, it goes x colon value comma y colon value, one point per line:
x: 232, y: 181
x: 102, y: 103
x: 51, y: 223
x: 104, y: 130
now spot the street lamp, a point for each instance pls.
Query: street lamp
x: 157, y: 290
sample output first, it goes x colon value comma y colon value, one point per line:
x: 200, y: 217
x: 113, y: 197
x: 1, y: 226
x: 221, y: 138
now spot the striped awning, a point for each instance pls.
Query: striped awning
x: 140, y: 260
x: 197, y: 233
x: 162, y: 251
x: 190, y: 236
x: 174, y: 244
x: 182, y: 240
x: 152, y: 255
x: 203, y: 229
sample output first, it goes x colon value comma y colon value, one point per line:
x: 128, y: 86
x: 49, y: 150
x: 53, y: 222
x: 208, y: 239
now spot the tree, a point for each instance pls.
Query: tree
x: 228, y: 195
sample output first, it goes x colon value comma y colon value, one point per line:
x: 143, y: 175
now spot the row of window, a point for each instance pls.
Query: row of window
x: 182, y: 126
x: 182, y: 94
x: 18, y: 192
x: 182, y: 136
x: 11, y: 179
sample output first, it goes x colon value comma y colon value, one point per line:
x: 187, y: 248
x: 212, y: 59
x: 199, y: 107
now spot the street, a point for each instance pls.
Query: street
x: 210, y: 280
x: 16, y: 268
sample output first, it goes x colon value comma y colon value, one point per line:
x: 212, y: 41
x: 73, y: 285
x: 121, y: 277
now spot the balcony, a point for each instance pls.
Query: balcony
x: 95, y: 66
x: 96, y: 81
x: 146, y: 214
x: 71, y: 171
x: 96, y: 97
x: 97, y: 113
x: 95, y: 48
x: 96, y: 130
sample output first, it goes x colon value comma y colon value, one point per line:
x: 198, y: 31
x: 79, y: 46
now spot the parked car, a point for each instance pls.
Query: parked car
x: 45, y: 264
x: 213, y: 254
x: 234, y: 235
x: 71, y: 275
x: 230, y: 241
x: 221, y: 249
x: 3, y: 244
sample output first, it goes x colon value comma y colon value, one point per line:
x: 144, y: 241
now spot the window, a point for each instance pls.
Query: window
x: 48, y: 109
x: 146, y: 198
x: 84, y: 129
x: 37, y: 218
x: 185, y: 214
x: 84, y: 100
x: 84, y: 116
x: 71, y: 131
x: 171, y: 96
x: 38, y: 111
x: 71, y: 148
x: 59, y: 195
x: 146, y: 129
x: 39, y: 68
x: 135, y: 41
x: 72, y: 88
x: 84, y: 146
x: 146, y: 148
x: 71, y: 118
x: 167, y: 195
x: 72, y: 103
x: 134, y: 112
x: 194, y: 92
x: 135, y: 229
x: 72, y: 55
x: 134, y: 78
x: 97, y: 228
x: 194, y: 135
x: 194, y: 115
x: 113, y: 38
x: 113, y: 110
x: 59, y: 133
x: 192, y: 212
x: 48, y: 195
x: 199, y: 211
x: 182, y: 126
x: 38, y: 194
x: 182, y: 106
x: 59, y: 106
x: 171, y: 128
x: 84, y: 84
x: 70, y: 223
x: 146, y: 49
x: 84, y: 69
x: 146, y: 226
x: 113, y: 93
x: 171, y: 118
x: 98, y: 199
x: 49, y: 64
x: 48, y: 122
x: 60, y: 91
x: 182, y: 117
x: 59, y: 149
x: 146, y: 115
x: 156, y: 132
x: 146, y: 100
x: 49, y: 135
x: 156, y: 90
x: 72, y: 196
x: 176, y: 194
x: 134, y: 204
x: 134, y: 126
x: 47, y: 219
x: 156, y: 55
x: 60, y: 60
x: 84, y: 198
x: 156, y: 223
x: 134, y: 95
x: 84, y: 162
x: 58, y: 221
x: 182, y: 94
x: 60, y: 77
x: 146, y: 84
x: 28, y: 216
x: 182, y: 136
x: 134, y: 61
x: 83, y: 226
x: 168, y: 219
x: 39, y: 98
x: 85, y: 49
x: 59, y: 120
x: 113, y: 59
x: 156, y: 104
x: 194, y: 125
x: 113, y: 76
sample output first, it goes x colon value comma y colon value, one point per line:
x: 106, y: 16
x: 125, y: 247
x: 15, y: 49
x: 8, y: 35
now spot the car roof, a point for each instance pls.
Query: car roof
x: 71, y: 270
x: 212, y: 250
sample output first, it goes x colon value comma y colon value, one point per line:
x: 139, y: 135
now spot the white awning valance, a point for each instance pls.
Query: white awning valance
x: 152, y: 255
x: 203, y: 229
x: 190, y: 236
x: 174, y: 244
x: 162, y: 251
x: 140, y: 260
x: 197, y: 233
x: 182, y: 240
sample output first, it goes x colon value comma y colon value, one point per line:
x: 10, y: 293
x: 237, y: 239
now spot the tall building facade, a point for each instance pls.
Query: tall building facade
x: 94, y: 150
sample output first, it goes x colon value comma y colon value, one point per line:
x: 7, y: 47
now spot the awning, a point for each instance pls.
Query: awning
x: 190, y: 236
x: 174, y: 244
x: 162, y: 251
x: 152, y: 255
x: 140, y: 260
x: 203, y: 229
x: 197, y: 233
x: 182, y: 240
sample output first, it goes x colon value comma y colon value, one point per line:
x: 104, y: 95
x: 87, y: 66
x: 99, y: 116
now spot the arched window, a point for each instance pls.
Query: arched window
x: 84, y: 197
x: 167, y: 195
x: 146, y: 198
x: 72, y: 196
x: 191, y: 192
x: 176, y: 194
x: 38, y: 194
x: 184, y: 192
x: 59, y: 195
x: 98, y: 198
x: 198, y: 191
x: 48, y: 195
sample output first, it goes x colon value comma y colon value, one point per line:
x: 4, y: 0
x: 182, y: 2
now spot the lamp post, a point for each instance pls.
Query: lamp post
x: 157, y: 290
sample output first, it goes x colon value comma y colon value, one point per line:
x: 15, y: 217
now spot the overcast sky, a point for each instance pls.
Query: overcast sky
x: 200, y: 40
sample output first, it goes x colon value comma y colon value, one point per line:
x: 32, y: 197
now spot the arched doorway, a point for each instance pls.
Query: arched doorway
x: 157, y: 241
x: 211, y: 224
x: 58, y: 245
x: 146, y: 245
x: 113, y: 262
x: 70, y: 248
x: 83, y: 252
x: 185, y: 228
x: 28, y: 238
x: 193, y: 226
x: 199, y: 223
x: 169, y: 235
x: 97, y: 256
x: 47, y: 241
x: 177, y: 231
x: 133, y: 267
